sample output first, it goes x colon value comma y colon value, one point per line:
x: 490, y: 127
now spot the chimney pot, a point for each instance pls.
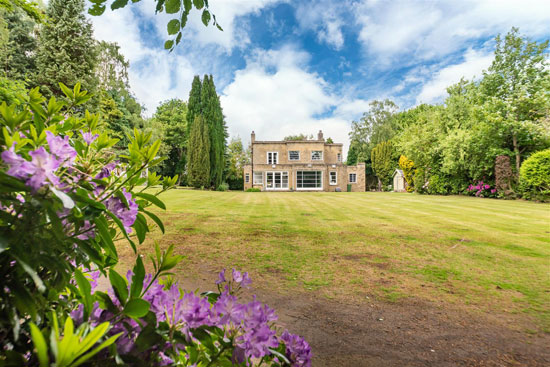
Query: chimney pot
x: 320, y: 136
x: 252, y: 137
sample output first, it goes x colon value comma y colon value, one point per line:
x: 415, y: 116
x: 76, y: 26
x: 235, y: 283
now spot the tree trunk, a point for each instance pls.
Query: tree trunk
x: 379, y: 184
x: 516, y: 151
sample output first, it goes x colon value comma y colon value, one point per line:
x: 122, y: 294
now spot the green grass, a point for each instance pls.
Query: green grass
x: 489, y: 255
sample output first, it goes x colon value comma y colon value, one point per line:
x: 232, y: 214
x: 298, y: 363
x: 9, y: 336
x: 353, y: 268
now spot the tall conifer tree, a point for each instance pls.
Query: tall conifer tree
x: 198, y: 165
x: 194, y: 107
x: 66, y: 51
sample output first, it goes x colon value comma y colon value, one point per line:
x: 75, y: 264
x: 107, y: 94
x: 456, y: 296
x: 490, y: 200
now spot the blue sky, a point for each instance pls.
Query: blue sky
x: 287, y: 67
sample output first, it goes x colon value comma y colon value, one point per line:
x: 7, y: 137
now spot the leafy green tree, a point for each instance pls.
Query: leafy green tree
x: 198, y: 166
x: 515, y: 92
x: 352, y: 154
x: 330, y: 141
x: 172, y: 114
x: 112, y: 67
x: 237, y: 157
x: 407, y: 166
x: 382, y: 162
x: 30, y: 8
x: 66, y: 51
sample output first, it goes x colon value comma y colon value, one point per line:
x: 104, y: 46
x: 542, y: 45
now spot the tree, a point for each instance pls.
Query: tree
x: 112, y: 67
x: 237, y: 157
x: 66, y: 51
x: 298, y: 137
x: 407, y: 166
x: 515, y: 91
x: 352, y: 154
x: 382, y: 162
x: 330, y: 141
x: 18, y: 51
x: 198, y: 166
x: 172, y: 114
x: 194, y: 106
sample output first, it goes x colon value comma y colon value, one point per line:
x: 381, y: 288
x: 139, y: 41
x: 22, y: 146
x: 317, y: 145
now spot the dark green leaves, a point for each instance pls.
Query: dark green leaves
x: 173, y: 26
x: 119, y: 286
x: 206, y: 17
x: 199, y: 4
x: 172, y: 6
x: 137, y: 278
x: 136, y: 308
x: 117, y: 4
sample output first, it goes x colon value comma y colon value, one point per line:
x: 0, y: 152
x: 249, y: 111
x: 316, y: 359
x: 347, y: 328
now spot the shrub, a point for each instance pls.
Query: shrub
x: 420, y: 184
x: 535, y: 176
x: 437, y: 185
x: 482, y: 189
x: 407, y: 166
x: 66, y: 200
x: 253, y: 189
x: 223, y: 187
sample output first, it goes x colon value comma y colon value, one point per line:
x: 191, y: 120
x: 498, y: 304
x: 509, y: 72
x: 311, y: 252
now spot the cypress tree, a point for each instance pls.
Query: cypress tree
x: 382, y: 163
x: 198, y: 166
x: 194, y: 107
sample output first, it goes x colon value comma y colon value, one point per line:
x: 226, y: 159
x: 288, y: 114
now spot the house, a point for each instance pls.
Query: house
x: 305, y: 165
x: 399, y: 183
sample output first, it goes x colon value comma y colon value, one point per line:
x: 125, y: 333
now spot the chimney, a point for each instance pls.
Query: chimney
x: 320, y: 136
x: 252, y: 137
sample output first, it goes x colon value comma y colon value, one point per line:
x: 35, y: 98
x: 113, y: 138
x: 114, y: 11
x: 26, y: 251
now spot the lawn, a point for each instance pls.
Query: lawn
x: 481, y: 254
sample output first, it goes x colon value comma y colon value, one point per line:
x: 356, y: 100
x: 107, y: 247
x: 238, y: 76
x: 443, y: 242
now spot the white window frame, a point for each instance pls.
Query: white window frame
x: 330, y: 182
x: 309, y: 188
x: 339, y: 157
x: 355, y: 177
x: 315, y: 151
x: 290, y: 159
x: 247, y: 178
x: 281, y: 173
x: 261, y: 181
x: 271, y: 155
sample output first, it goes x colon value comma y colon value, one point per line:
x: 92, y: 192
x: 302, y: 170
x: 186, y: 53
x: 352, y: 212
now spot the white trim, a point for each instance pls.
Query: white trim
x: 277, y: 188
x: 339, y: 157
x: 261, y: 180
x: 335, y: 176
x: 294, y: 160
x: 309, y: 188
x: 349, y: 177
x: 276, y: 157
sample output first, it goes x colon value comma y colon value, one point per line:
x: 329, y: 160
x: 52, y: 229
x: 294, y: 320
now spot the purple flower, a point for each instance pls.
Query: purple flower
x: 487, y: 187
x: 106, y: 170
x: 89, y: 137
x: 298, y: 350
x: 86, y: 231
x: 61, y: 148
x: 257, y: 313
x: 221, y: 277
x: 228, y: 309
x: 195, y: 311
x: 19, y: 167
x: 44, y: 166
x: 237, y: 277
x: 257, y: 341
x: 126, y: 214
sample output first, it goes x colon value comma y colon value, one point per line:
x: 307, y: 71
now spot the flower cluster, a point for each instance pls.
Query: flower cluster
x: 481, y: 189
x: 125, y: 211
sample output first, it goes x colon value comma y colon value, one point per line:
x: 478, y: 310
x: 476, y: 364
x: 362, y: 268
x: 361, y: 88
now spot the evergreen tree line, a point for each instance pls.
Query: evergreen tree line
x: 484, y: 130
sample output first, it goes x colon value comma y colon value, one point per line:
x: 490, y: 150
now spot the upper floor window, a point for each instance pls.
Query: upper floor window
x: 339, y: 157
x: 272, y: 157
x: 293, y: 155
x: 317, y: 155
x: 352, y: 177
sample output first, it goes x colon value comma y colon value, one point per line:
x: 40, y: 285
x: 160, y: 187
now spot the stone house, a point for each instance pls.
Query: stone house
x: 305, y: 165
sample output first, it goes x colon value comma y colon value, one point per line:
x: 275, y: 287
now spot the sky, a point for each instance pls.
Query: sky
x: 288, y: 67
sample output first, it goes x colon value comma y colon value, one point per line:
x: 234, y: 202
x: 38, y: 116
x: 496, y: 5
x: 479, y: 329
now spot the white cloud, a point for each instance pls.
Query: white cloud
x: 325, y: 18
x: 415, y: 31
x: 276, y: 96
x: 472, y: 66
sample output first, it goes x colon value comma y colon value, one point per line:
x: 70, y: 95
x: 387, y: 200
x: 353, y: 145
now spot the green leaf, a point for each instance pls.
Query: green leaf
x: 40, y: 344
x: 206, y: 17
x: 168, y: 44
x: 122, y: 229
x: 117, y: 4
x: 172, y: 6
x: 85, y: 290
x: 66, y: 91
x: 119, y: 285
x: 187, y: 5
x: 103, y: 228
x: 33, y: 274
x: 137, y: 278
x: 173, y: 26
x: 152, y: 199
x: 136, y: 307
x: 155, y: 219
x: 199, y: 4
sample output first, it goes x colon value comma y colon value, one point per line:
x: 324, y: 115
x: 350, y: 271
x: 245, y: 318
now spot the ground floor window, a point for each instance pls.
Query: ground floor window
x: 352, y: 177
x: 258, y: 178
x: 332, y: 178
x: 247, y: 177
x: 309, y: 179
x: 276, y: 180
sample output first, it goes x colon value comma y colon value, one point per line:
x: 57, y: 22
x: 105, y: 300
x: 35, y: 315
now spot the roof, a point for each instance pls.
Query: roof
x: 295, y: 141
x: 400, y: 172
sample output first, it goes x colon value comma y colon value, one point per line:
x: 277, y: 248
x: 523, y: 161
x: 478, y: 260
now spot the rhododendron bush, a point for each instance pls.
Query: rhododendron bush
x: 67, y: 202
